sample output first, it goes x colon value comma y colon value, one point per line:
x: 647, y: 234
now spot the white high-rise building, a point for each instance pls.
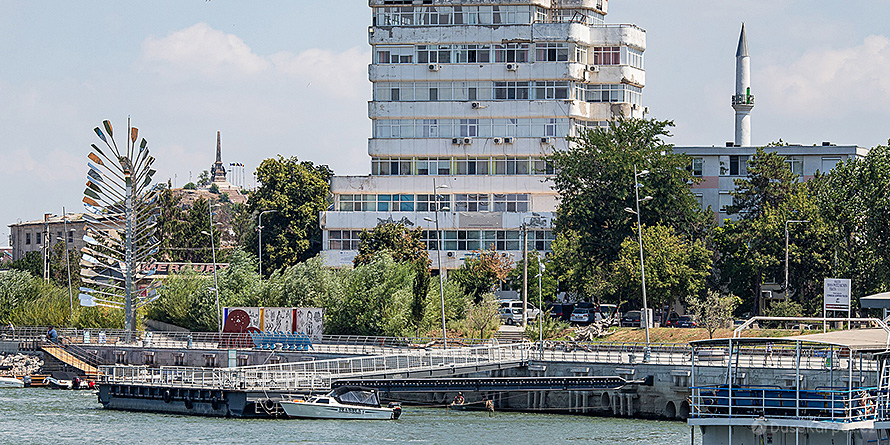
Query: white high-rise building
x: 469, y: 97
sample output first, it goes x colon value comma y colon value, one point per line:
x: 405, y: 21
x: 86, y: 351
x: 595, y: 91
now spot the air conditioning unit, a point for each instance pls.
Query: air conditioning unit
x: 498, y: 141
x: 593, y: 68
x: 468, y: 141
x: 476, y: 105
x: 450, y: 254
x: 546, y: 140
x: 434, y: 67
x: 512, y: 66
x: 455, y: 141
x: 508, y: 140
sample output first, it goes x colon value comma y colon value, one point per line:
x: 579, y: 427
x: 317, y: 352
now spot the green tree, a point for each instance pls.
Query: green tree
x: 855, y: 201
x: 675, y: 267
x: 480, y: 273
x: 713, y: 310
x: 482, y: 319
x: 190, y: 186
x: 179, y: 230
x: 204, y: 178
x: 552, y: 327
x: 595, y: 180
x: 548, y: 281
x: 214, y: 189
x: 769, y: 183
x: 32, y: 262
x: 299, y: 192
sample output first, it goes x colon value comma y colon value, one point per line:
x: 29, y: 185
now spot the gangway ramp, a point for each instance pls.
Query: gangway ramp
x: 319, y: 374
x: 67, y: 358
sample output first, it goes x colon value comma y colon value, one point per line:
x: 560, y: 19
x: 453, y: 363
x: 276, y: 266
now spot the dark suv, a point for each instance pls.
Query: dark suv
x: 561, y: 311
x: 631, y: 319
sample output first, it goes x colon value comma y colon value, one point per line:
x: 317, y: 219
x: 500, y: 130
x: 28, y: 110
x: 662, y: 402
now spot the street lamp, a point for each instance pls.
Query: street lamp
x: 68, y: 263
x: 785, y: 289
x: 540, y: 305
x: 435, y: 203
x: 259, y: 229
x: 645, y: 317
x: 213, y: 252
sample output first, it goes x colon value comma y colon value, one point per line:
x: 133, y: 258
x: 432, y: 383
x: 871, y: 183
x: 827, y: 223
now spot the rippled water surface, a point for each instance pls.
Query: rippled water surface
x: 42, y: 416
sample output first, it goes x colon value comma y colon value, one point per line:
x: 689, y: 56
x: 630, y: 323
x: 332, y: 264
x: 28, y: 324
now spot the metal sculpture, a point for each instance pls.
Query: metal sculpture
x: 120, y: 226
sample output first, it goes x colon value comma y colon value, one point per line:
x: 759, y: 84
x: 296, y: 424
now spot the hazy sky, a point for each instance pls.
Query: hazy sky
x: 290, y: 78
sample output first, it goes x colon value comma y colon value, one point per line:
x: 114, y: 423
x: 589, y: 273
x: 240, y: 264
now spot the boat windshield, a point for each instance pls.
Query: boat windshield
x: 364, y: 397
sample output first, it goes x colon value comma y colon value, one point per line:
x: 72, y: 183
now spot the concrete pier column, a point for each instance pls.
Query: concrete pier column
x: 585, y: 406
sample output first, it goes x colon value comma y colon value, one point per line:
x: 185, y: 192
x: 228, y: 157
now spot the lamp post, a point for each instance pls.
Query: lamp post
x: 68, y: 263
x: 435, y: 202
x: 259, y: 229
x: 785, y: 289
x: 213, y: 252
x: 645, y: 317
x: 540, y: 304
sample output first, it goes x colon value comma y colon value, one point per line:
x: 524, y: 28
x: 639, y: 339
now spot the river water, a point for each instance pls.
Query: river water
x: 43, y: 416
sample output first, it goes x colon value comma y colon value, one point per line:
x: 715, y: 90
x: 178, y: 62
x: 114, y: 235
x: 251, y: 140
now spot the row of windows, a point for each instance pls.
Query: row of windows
x: 466, y: 240
x: 479, y: 15
x: 38, y: 237
x: 509, y: 53
x: 460, y: 166
x: 527, y: 90
x: 458, y: 202
x: 485, y: 128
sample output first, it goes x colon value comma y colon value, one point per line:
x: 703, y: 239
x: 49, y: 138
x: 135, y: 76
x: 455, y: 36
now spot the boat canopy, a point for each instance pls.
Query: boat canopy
x: 875, y: 340
x: 356, y: 395
x: 876, y: 301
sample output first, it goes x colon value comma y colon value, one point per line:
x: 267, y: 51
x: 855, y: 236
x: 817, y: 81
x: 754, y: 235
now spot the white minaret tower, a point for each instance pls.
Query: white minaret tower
x: 742, y: 100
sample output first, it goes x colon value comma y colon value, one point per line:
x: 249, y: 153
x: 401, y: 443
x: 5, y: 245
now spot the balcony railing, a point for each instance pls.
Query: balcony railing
x: 825, y: 404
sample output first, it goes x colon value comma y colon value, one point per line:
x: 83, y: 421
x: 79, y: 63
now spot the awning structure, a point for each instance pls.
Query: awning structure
x: 876, y: 339
x: 876, y: 301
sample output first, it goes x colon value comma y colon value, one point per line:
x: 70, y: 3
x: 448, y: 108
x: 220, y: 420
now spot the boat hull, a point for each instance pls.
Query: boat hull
x: 9, y: 382
x: 306, y: 410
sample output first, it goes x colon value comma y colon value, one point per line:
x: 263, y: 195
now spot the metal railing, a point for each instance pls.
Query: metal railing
x: 829, y: 404
x: 318, y: 374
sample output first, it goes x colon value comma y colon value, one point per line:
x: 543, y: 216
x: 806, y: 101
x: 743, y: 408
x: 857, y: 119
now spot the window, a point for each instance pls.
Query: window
x: 606, y: 55
x: 540, y: 240
x: 634, y: 58
x: 395, y: 54
x: 697, y: 167
x: 434, y: 54
x: 614, y: 93
x: 511, y: 90
x: 738, y: 166
x: 541, y: 167
x: 471, y: 166
x: 472, y: 53
x: 28, y: 238
x: 343, y: 239
x: 551, y: 90
x: 552, y: 52
x: 795, y: 163
x: 395, y: 203
x: 511, y: 52
x: 39, y: 237
x: 512, y: 203
x: 357, y: 203
x: 426, y: 203
x: 827, y: 165
x: 71, y: 236
x: 501, y: 239
x: 474, y: 202
x: 469, y: 128
x: 725, y: 200
x: 581, y: 54
x: 462, y: 240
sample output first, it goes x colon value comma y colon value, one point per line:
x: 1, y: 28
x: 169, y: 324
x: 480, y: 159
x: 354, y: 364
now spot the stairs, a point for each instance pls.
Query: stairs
x: 66, y: 358
x: 509, y: 335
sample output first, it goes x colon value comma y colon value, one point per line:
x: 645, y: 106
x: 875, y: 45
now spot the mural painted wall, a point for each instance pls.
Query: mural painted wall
x: 309, y: 321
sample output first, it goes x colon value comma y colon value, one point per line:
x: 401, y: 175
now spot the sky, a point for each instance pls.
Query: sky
x: 290, y: 78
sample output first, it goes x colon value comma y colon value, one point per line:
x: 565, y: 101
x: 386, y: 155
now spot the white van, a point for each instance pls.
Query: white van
x: 515, y: 311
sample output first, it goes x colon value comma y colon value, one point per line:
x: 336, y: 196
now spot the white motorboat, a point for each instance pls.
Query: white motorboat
x: 10, y: 382
x: 345, y: 402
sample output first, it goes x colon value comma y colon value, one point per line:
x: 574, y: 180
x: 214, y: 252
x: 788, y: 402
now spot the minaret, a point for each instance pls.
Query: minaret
x: 743, y: 100
x: 218, y: 171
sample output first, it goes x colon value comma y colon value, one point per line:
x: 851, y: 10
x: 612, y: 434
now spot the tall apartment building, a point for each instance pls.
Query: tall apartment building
x: 469, y: 97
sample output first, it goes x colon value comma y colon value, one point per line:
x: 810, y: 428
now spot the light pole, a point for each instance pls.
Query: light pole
x: 259, y: 229
x: 645, y: 316
x: 68, y: 263
x: 540, y: 305
x: 435, y: 203
x: 785, y: 289
x: 213, y: 252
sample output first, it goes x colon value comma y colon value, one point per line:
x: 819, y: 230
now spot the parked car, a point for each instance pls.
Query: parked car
x: 631, y: 319
x: 515, y: 309
x: 671, y: 321
x: 561, y: 311
x: 686, y: 321
x: 583, y: 315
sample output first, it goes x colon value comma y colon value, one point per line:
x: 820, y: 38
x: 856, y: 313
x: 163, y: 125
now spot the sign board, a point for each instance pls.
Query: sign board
x: 837, y: 294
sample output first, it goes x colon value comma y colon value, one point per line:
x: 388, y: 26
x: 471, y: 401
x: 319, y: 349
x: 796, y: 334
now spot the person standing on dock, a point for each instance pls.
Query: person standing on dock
x: 489, y: 405
x: 769, y: 355
x: 52, y: 335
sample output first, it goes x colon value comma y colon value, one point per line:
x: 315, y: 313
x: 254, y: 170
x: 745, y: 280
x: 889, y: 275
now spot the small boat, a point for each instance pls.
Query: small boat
x: 66, y: 380
x: 11, y: 382
x: 345, y: 402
